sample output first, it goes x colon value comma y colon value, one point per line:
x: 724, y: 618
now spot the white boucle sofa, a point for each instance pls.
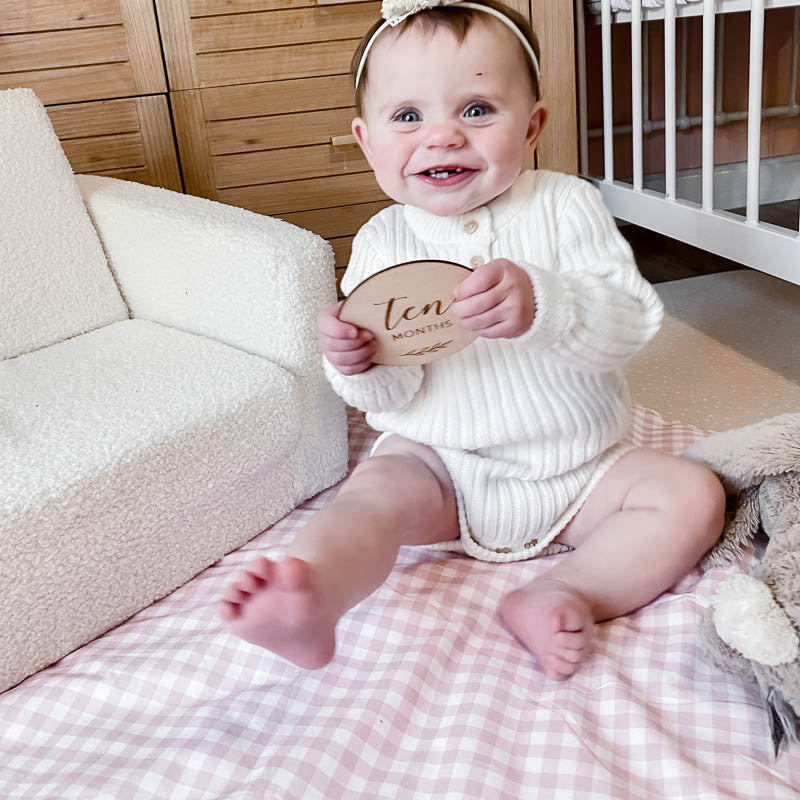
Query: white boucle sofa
x: 161, y: 393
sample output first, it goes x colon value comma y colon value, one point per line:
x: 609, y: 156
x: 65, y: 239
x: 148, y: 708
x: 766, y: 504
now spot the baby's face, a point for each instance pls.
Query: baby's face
x: 447, y: 126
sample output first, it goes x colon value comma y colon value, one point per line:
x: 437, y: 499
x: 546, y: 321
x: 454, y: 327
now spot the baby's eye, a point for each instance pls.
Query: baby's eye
x: 407, y: 115
x: 476, y: 110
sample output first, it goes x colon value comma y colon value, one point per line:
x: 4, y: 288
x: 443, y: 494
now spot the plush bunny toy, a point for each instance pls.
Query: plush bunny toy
x: 752, y: 627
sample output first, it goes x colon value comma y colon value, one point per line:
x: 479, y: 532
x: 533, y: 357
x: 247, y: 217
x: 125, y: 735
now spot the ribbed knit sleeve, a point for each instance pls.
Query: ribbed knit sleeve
x: 380, y: 388
x: 594, y: 311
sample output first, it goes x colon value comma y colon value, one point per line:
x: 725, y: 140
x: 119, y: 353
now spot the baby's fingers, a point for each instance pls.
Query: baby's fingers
x: 352, y: 358
x: 481, y: 323
x: 329, y: 324
x: 478, y: 303
x: 336, y: 345
x: 482, y: 279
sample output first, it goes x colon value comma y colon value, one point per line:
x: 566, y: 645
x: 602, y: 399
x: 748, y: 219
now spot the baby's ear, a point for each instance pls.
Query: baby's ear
x: 359, y: 128
x: 536, y: 123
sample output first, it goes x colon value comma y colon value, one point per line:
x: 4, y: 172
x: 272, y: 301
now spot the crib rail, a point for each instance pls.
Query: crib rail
x: 696, y: 9
x: 748, y: 240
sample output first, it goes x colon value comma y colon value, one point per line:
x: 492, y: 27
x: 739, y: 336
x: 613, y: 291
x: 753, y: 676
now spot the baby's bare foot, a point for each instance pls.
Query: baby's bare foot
x: 553, y: 621
x: 277, y: 606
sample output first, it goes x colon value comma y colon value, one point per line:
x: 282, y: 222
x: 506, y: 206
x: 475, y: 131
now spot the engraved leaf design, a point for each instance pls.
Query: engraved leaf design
x: 433, y: 348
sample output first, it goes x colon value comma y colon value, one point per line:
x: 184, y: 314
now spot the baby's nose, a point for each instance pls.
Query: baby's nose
x: 445, y: 134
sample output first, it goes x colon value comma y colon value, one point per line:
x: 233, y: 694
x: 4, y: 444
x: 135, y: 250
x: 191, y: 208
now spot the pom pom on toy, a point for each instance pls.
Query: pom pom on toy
x: 748, y: 618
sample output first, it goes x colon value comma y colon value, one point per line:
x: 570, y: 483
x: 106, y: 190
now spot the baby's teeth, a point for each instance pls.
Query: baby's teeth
x: 444, y: 173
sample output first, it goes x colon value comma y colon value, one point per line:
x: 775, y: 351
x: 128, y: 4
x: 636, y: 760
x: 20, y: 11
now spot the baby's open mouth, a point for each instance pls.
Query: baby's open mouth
x: 442, y: 172
x: 446, y: 175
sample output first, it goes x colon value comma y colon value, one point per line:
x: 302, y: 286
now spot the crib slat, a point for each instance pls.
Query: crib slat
x: 608, y: 110
x: 754, y: 108
x: 709, y: 58
x: 669, y: 98
x: 719, y: 74
x: 645, y: 73
x: 682, y: 118
x: 636, y: 91
x: 793, y: 99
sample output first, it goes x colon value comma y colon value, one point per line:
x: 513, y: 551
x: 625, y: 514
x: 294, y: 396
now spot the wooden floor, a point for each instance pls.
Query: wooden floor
x: 661, y: 258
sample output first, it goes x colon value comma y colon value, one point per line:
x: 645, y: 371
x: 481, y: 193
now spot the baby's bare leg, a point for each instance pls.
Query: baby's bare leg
x: 645, y: 526
x: 401, y: 495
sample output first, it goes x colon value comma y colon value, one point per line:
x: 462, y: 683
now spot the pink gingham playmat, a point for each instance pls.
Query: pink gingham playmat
x: 428, y: 698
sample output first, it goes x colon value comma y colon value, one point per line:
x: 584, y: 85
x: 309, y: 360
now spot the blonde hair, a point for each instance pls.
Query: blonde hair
x: 458, y: 20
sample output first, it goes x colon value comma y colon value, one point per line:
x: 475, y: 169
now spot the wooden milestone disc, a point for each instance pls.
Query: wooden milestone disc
x: 407, y: 309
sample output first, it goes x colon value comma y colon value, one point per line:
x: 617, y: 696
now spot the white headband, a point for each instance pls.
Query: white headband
x: 395, y: 11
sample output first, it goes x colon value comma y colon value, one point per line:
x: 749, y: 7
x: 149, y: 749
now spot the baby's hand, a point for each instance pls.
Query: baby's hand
x: 496, y: 300
x: 349, y: 348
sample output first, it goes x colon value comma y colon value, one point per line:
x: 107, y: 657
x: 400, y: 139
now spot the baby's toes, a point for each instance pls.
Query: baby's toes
x: 567, y: 643
x: 566, y: 618
x: 229, y: 611
x: 559, y: 668
x: 251, y: 582
x: 293, y: 575
x: 235, y: 595
x: 263, y: 568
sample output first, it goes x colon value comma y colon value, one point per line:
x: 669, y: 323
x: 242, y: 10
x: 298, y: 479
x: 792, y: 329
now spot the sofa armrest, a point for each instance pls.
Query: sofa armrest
x: 250, y: 281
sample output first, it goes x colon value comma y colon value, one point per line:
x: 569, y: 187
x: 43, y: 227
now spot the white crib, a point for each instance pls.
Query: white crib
x: 702, y: 222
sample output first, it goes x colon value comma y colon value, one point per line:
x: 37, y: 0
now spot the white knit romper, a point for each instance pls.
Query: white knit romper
x: 526, y: 426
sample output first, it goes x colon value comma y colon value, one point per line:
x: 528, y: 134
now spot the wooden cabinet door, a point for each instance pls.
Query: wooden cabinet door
x: 228, y: 42
x: 260, y: 96
x: 269, y: 147
x: 76, y: 50
x: 77, y: 56
x: 129, y: 139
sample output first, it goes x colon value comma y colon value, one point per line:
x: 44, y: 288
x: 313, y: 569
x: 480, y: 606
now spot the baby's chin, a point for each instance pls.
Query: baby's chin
x: 448, y: 206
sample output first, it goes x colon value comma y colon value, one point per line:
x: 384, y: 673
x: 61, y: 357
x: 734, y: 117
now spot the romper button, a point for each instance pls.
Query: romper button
x: 471, y: 226
x: 476, y: 261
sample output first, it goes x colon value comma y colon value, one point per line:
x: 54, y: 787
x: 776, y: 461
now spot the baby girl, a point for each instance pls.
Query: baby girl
x: 513, y: 447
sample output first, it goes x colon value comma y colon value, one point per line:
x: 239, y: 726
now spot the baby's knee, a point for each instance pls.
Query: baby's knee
x: 379, y: 472
x: 403, y: 486
x: 702, y: 499
x: 393, y: 478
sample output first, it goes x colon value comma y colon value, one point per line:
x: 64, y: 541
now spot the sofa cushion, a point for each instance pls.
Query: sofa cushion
x: 55, y: 280
x: 134, y: 392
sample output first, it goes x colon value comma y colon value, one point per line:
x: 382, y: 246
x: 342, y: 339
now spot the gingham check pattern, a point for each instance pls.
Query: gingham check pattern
x: 429, y: 697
